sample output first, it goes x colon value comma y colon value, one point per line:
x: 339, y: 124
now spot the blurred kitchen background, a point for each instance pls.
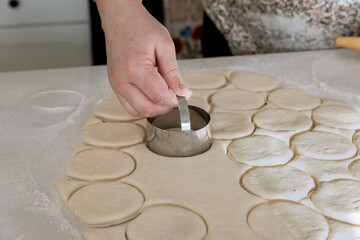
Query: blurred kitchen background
x: 40, y: 34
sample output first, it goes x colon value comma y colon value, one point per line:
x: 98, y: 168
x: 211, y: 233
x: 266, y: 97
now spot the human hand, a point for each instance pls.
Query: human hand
x: 136, y: 44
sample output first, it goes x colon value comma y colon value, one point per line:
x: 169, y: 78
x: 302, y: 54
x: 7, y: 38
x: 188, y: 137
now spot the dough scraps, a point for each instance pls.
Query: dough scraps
x: 254, y: 82
x: 260, y: 151
x: 203, y: 80
x: 294, y: 99
x: 337, y: 116
x: 167, y: 222
x: 229, y: 126
x: 237, y: 99
x: 106, y: 204
x: 287, y: 220
x: 100, y: 164
x: 339, y: 199
x: 282, y: 182
x: 323, y: 145
x: 114, y: 135
x: 282, y: 120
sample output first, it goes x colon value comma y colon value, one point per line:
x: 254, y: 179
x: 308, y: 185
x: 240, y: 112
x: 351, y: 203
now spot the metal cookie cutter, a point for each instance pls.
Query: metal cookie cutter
x: 182, y: 132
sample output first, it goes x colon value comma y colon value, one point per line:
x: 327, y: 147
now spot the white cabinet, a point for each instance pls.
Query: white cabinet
x: 44, y: 34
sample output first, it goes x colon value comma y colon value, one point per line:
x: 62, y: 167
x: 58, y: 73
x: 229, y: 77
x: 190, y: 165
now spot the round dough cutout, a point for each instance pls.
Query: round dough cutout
x: 197, y: 102
x: 114, y: 135
x: 294, y: 99
x: 230, y: 125
x: 324, y: 145
x: 337, y: 116
x: 100, y: 164
x: 282, y: 182
x: 282, y: 120
x: 354, y: 168
x: 287, y: 220
x: 254, y: 82
x: 260, y: 151
x: 106, y: 204
x: 166, y: 222
x: 237, y: 99
x: 203, y: 80
x: 339, y: 199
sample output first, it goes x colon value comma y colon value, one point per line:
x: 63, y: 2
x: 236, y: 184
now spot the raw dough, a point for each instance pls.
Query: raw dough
x: 260, y: 151
x: 66, y: 187
x: 91, y: 122
x: 237, y: 100
x: 284, y: 136
x: 323, y: 145
x: 354, y: 168
x: 287, y: 220
x: 166, y: 222
x: 229, y: 126
x: 106, y: 204
x: 197, y: 102
x: 203, y: 80
x: 282, y: 120
x: 100, y: 164
x: 344, y: 132
x: 294, y: 99
x: 254, y: 82
x: 337, y: 116
x: 333, y: 101
x: 114, y: 135
x: 116, y: 232
x: 342, y: 231
x: 282, y: 182
x: 339, y: 199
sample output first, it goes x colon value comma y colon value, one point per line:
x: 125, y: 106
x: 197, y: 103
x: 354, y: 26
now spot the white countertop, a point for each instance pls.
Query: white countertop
x: 42, y: 114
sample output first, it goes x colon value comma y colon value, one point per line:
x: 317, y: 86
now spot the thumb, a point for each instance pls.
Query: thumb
x: 168, y: 69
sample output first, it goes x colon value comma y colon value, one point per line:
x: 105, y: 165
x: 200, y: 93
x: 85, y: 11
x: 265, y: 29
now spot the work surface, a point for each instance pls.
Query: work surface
x: 42, y: 114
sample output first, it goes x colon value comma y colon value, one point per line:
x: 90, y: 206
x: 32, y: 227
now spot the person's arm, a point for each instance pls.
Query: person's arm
x: 136, y: 43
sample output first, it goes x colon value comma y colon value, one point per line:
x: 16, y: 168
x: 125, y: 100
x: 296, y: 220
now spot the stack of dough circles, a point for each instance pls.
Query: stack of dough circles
x: 203, y: 80
x: 167, y: 222
x: 339, y: 199
x: 287, y: 220
x: 337, y: 116
x: 229, y: 126
x: 114, y: 135
x: 260, y: 151
x: 282, y: 120
x: 106, y: 204
x: 111, y: 110
x: 100, y: 164
x: 237, y: 99
x: 293, y: 99
x: 354, y: 168
x: 254, y: 82
x: 324, y: 145
x: 281, y: 182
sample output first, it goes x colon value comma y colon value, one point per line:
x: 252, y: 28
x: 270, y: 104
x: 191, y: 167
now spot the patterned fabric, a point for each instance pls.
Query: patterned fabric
x: 262, y: 26
x: 183, y: 19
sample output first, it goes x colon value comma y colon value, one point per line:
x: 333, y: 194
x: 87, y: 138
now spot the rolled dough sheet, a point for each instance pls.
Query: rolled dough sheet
x: 66, y: 187
x: 237, y: 100
x: 339, y: 199
x: 198, y: 102
x: 287, y: 220
x: 343, y: 132
x: 91, y: 122
x: 341, y: 231
x: 203, y: 79
x: 229, y: 126
x: 254, y: 82
x: 284, y: 136
x: 323, y: 145
x: 281, y: 182
x: 114, y: 135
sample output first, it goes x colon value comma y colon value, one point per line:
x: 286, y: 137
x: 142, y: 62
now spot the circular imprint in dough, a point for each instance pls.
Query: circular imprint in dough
x: 229, y: 126
x: 111, y: 110
x: 100, y: 164
x: 287, y: 220
x: 282, y: 120
x: 167, y: 222
x: 339, y: 199
x: 203, y: 80
x: 260, y: 151
x: 254, y: 82
x: 237, y: 99
x: 106, y: 204
x: 354, y: 168
x: 337, y: 116
x: 114, y: 135
x: 324, y: 145
x: 294, y: 99
x: 282, y: 182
